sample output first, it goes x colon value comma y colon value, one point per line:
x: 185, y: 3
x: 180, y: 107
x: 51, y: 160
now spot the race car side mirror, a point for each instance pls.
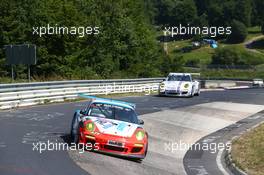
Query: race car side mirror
x: 141, y: 122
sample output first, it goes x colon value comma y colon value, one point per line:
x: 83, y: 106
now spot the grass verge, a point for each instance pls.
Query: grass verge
x: 248, y: 151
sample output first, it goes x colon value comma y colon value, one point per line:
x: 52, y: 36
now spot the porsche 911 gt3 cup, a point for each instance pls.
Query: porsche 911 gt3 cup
x: 113, y: 126
x: 179, y: 84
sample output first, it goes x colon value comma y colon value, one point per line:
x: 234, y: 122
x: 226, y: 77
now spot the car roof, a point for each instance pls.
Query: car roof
x: 114, y: 102
x: 108, y: 101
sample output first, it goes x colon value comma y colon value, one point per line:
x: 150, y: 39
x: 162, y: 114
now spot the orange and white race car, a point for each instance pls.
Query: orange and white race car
x: 112, y: 127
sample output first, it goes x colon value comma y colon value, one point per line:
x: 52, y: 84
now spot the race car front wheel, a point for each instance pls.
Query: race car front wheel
x: 192, y: 93
x: 75, y: 138
x: 75, y: 130
x: 197, y: 93
x: 146, y: 151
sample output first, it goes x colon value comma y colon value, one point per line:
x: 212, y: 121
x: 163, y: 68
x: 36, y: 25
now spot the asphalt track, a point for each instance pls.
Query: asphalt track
x: 198, y: 161
x: 168, y: 120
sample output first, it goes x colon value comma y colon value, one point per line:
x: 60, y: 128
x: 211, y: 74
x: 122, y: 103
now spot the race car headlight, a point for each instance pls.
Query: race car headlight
x: 140, y: 135
x: 90, y: 126
x: 162, y: 85
x: 186, y: 86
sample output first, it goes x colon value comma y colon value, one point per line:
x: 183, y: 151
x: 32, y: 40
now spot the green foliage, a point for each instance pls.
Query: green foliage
x: 197, y: 38
x: 243, y: 12
x: 232, y: 56
x: 226, y: 56
x: 215, y: 15
x: 257, y: 17
x: 126, y: 45
x: 193, y: 62
x: 171, y: 12
x: 126, y: 41
x: 239, y: 32
x: 172, y: 64
x: 184, y: 12
x: 262, y: 28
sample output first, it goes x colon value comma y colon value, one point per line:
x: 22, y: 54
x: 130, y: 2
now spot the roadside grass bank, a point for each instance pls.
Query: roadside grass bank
x: 248, y: 151
x: 202, y: 56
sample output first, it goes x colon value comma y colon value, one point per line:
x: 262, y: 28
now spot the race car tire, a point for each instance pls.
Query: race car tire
x: 75, y: 126
x: 146, y: 151
x: 192, y: 93
x: 161, y: 94
x: 198, y: 93
x: 75, y: 138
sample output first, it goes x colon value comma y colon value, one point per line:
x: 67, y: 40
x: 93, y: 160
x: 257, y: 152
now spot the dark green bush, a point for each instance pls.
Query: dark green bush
x: 236, y: 56
x: 226, y: 56
x: 239, y: 32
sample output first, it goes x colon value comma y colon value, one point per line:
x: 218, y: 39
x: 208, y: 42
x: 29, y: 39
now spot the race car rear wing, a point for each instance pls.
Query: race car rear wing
x: 194, y: 74
x: 106, y: 99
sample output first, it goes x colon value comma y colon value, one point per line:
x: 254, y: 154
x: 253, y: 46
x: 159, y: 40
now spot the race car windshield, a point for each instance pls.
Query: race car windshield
x: 113, y: 112
x: 179, y: 78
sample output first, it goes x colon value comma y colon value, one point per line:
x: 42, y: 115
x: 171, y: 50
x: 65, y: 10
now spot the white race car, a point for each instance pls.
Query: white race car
x: 179, y: 84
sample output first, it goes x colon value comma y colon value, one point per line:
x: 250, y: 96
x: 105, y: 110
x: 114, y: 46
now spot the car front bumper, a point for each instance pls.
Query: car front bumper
x: 183, y: 93
x: 130, y: 148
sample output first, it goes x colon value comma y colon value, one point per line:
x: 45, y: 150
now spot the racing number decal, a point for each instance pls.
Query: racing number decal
x: 121, y: 126
x: 105, y: 124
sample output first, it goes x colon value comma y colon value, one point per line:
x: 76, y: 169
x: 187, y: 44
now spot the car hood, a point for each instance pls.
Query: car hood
x: 114, y: 127
x: 175, y: 85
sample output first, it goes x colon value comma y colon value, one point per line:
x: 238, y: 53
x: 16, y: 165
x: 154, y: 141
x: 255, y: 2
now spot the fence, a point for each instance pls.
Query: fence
x: 25, y: 94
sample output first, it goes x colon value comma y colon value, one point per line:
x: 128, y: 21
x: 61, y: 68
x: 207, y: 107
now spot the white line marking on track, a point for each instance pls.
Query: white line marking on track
x: 219, y: 163
x: 200, y: 170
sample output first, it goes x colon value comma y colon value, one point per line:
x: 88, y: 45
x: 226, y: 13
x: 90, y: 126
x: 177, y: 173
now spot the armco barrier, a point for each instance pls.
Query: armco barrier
x: 25, y: 94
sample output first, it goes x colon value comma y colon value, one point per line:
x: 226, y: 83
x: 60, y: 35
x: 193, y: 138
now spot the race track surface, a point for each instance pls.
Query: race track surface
x: 168, y: 120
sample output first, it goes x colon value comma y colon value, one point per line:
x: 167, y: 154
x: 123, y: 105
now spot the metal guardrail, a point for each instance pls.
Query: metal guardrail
x: 75, y: 82
x: 25, y: 94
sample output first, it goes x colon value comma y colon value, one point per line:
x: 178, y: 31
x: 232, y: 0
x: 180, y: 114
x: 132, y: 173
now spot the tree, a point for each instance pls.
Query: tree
x: 184, y: 12
x: 215, y: 15
x: 239, y: 32
x: 172, y: 64
x: 175, y: 12
x: 257, y: 12
x: 125, y: 44
x: 202, y: 6
x: 164, y: 11
x: 242, y: 11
